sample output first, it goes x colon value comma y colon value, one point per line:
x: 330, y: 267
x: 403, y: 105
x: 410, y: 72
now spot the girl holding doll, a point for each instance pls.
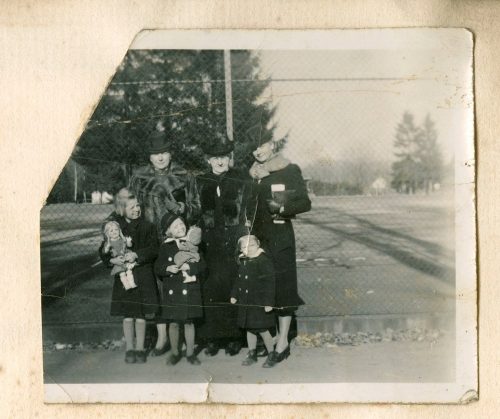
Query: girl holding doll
x: 136, y: 303
x: 182, y: 303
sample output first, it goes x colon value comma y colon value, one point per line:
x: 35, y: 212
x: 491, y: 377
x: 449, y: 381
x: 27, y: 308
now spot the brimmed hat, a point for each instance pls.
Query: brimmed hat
x: 256, y: 136
x: 158, y: 142
x: 168, y: 219
x: 218, y: 146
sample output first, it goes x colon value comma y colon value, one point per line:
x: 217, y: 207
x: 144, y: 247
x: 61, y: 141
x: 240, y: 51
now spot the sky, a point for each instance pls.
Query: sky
x: 355, y: 118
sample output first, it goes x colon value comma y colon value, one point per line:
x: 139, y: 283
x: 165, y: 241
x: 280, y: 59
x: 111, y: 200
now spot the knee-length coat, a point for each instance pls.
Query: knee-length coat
x: 276, y: 234
x: 223, y: 200
x: 181, y: 301
x: 143, y: 300
x: 254, y: 289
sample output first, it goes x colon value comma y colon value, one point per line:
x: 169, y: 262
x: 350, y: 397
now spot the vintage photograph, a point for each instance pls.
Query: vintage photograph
x: 268, y: 216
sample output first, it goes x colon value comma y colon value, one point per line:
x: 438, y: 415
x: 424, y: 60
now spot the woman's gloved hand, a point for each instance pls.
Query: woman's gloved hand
x: 273, y: 206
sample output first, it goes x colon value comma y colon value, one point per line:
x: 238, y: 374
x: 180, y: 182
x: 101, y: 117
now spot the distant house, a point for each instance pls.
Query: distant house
x: 101, y: 197
x: 379, y: 186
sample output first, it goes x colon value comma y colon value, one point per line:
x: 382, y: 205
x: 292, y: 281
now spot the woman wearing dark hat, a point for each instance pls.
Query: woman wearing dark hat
x: 223, y: 192
x: 164, y: 187
x: 278, y: 194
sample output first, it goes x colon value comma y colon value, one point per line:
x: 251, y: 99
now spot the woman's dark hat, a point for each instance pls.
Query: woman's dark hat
x: 158, y: 142
x: 167, y: 220
x: 218, y: 146
x: 257, y: 135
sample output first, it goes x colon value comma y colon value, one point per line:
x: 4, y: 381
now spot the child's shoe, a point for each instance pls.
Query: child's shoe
x: 193, y: 359
x: 271, y: 360
x: 173, y: 359
x: 130, y: 357
x: 251, y: 358
x: 140, y: 357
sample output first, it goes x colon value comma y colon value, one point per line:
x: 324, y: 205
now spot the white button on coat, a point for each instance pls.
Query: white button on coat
x: 184, y: 292
x: 169, y: 259
x: 170, y: 292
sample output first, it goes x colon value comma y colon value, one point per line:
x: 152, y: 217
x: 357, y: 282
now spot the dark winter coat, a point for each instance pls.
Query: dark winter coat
x: 143, y: 300
x: 277, y: 236
x: 159, y: 191
x: 254, y: 289
x: 180, y: 301
x: 223, y: 200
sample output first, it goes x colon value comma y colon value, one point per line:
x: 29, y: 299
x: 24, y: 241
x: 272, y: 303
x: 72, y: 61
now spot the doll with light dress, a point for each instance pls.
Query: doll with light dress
x: 118, y: 245
x: 188, y: 251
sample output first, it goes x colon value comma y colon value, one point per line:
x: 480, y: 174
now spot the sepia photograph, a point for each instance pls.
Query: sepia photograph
x: 268, y: 217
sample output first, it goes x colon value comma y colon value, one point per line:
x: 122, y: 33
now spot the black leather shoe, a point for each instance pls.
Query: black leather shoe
x: 281, y: 356
x: 212, y: 349
x: 233, y: 348
x: 160, y: 352
x: 262, y: 351
x: 130, y: 357
x: 250, y: 359
x: 193, y: 360
x: 270, y: 361
x: 173, y: 359
x: 140, y: 357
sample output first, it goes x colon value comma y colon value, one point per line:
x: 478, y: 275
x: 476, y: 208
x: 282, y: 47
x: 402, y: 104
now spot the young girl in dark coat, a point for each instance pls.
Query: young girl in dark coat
x: 181, y: 300
x: 134, y: 305
x: 254, y: 292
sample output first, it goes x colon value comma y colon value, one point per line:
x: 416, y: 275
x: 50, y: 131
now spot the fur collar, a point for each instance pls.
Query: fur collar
x: 275, y: 163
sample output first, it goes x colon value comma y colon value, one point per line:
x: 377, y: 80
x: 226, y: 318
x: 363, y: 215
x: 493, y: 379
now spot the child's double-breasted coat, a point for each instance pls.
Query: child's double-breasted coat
x: 254, y: 289
x: 181, y: 301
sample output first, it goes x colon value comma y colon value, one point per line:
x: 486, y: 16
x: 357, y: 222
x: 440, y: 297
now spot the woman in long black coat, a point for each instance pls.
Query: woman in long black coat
x: 134, y: 305
x: 278, y: 194
x: 164, y: 187
x: 223, y: 193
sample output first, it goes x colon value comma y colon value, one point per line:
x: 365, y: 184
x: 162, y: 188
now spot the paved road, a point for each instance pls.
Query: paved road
x: 409, y: 362
x: 357, y: 256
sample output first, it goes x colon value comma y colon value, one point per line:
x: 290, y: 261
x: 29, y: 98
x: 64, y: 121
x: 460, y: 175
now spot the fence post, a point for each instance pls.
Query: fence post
x: 229, y: 94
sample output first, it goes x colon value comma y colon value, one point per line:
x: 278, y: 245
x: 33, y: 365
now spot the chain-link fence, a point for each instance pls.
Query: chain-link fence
x: 363, y: 249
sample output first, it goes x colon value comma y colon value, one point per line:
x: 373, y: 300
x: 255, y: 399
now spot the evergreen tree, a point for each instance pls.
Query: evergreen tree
x: 420, y: 162
x: 182, y: 92
x: 429, y: 155
x: 62, y: 190
x: 405, y: 171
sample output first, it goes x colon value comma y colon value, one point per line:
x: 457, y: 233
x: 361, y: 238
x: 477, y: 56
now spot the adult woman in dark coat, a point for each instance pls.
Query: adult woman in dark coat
x: 164, y: 187
x: 278, y: 194
x: 223, y: 192
x: 137, y: 303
